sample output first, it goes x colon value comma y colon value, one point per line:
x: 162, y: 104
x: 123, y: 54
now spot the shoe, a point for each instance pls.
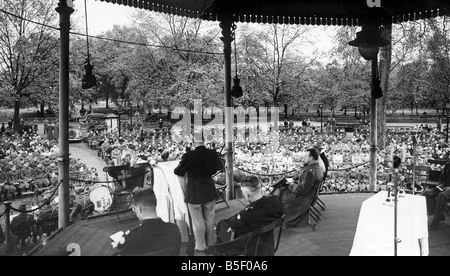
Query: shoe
x: 198, y: 252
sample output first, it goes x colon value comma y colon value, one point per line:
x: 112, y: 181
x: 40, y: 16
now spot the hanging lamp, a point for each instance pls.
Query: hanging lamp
x: 89, y: 79
x: 236, y: 90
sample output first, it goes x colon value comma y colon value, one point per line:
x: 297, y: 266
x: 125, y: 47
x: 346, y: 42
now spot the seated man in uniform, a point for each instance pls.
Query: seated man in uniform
x: 261, y: 211
x: 78, y: 202
x: 297, y: 196
x: 18, y: 221
x: 153, y: 234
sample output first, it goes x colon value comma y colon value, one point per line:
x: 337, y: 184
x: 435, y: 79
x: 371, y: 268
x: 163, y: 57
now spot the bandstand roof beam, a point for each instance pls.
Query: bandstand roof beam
x: 303, y: 12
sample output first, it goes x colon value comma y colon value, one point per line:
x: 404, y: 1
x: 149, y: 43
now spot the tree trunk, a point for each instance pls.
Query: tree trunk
x: 285, y: 110
x: 107, y: 101
x: 384, y: 68
x: 17, y: 125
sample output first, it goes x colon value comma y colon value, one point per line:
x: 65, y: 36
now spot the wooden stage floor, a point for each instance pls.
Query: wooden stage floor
x: 334, y: 235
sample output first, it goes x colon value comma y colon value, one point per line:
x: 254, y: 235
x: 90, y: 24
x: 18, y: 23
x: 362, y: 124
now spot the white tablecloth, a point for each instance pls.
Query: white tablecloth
x: 375, y: 230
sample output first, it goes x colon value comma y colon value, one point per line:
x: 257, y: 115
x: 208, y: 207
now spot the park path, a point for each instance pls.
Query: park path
x: 89, y: 157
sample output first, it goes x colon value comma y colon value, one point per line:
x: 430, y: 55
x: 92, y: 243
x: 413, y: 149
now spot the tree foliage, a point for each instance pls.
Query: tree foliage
x: 28, y: 51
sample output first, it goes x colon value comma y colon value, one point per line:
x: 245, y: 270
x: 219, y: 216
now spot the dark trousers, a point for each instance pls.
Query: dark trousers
x: 436, y: 201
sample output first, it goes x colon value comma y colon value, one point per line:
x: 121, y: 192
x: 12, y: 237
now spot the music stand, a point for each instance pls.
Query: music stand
x: 132, y: 178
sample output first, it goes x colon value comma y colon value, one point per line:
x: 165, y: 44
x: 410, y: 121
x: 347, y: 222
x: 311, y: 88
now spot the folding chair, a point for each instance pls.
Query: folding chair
x: 313, y: 212
x: 241, y: 245
x: 221, y: 190
x: 319, y: 202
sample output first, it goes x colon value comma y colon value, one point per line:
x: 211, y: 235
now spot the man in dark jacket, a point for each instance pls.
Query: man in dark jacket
x: 297, y: 196
x: 437, y: 197
x: 261, y: 211
x: 21, y: 222
x: 153, y: 236
x: 200, y: 164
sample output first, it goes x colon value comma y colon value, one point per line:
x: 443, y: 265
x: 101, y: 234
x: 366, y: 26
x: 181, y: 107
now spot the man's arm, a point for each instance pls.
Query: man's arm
x: 238, y: 223
x: 305, y: 183
x: 182, y: 167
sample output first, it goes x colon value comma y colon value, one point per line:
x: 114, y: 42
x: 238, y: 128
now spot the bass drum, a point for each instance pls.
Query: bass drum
x: 72, y: 134
x: 101, y: 197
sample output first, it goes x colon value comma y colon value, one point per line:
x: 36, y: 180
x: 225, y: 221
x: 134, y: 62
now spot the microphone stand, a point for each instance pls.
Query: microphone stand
x: 396, y: 240
x: 414, y: 165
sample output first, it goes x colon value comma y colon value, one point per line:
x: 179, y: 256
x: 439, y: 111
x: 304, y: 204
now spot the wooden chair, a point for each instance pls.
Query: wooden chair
x: 241, y: 245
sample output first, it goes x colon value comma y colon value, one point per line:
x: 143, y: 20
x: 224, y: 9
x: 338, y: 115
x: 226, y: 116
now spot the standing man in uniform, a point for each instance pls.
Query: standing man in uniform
x: 45, y: 125
x: 200, y: 195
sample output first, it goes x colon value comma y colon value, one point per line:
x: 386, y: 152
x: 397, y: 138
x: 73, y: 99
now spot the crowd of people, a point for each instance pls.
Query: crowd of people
x: 30, y: 161
x: 261, y: 156
x: 265, y: 153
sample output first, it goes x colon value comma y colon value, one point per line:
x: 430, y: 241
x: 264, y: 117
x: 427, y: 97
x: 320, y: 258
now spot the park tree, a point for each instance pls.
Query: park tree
x: 184, y: 62
x: 271, y: 65
x: 439, y: 52
x: 26, y: 48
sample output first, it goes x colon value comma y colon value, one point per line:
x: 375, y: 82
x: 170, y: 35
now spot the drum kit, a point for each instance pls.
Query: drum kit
x: 100, y: 194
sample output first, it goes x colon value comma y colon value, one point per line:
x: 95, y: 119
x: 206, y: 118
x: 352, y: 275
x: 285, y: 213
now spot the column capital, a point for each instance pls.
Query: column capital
x: 65, y: 7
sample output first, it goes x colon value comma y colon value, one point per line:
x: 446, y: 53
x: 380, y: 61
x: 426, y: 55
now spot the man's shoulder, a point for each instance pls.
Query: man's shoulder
x: 154, y: 225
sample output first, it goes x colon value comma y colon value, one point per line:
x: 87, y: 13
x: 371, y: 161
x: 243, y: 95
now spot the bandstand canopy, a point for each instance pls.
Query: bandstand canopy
x: 309, y: 12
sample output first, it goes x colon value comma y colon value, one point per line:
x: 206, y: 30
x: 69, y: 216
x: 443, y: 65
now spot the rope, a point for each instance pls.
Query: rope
x: 260, y: 174
x: 112, y: 181
x: 346, y: 169
x: 43, y: 204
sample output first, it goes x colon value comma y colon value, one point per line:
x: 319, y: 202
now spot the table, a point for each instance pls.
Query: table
x: 375, y: 229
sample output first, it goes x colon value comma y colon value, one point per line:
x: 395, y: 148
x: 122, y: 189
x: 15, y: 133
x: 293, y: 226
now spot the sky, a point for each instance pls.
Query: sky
x: 102, y: 16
